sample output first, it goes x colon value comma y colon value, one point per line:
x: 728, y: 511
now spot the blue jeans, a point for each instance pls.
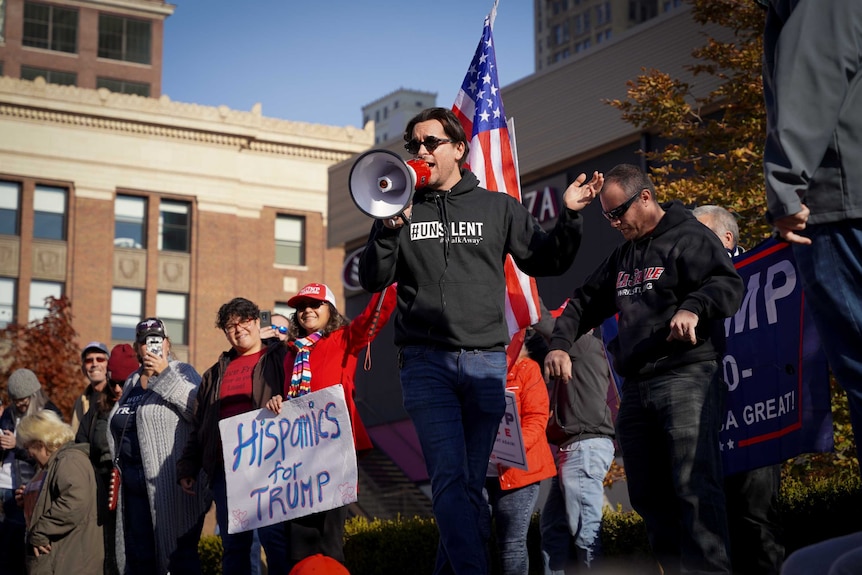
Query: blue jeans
x: 667, y: 428
x: 831, y: 272
x: 512, y: 511
x: 456, y: 401
x: 573, y: 509
x: 236, y: 558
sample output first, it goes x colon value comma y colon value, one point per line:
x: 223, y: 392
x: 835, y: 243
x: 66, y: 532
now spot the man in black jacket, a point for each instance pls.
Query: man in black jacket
x: 451, y: 326
x: 671, y: 284
x: 581, y: 425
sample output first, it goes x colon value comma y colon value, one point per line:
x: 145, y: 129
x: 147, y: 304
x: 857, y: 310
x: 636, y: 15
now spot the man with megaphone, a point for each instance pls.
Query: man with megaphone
x: 447, y: 253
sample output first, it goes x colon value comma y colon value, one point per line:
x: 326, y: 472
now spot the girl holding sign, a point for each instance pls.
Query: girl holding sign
x: 323, y: 349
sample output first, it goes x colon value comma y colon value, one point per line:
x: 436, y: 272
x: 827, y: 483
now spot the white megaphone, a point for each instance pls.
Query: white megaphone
x: 382, y: 184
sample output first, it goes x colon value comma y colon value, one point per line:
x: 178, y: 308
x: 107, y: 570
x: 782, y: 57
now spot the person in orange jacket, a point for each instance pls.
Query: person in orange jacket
x: 513, y: 493
x: 322, y: 350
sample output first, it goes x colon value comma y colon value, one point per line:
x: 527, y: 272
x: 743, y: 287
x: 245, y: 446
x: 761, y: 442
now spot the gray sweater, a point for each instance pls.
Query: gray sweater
x: 164, y: 424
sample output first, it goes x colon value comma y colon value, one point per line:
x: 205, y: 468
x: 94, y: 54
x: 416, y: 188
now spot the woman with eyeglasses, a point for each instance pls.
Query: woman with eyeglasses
x: 323, y: 350
x: 93, y: 429
x: 17, y: 466
x: 158, y: 525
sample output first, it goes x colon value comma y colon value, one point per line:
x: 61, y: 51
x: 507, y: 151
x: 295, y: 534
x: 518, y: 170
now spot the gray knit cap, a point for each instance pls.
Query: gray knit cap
x: 23, y: 383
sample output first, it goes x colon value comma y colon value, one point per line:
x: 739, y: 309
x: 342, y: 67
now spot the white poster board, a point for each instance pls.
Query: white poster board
x: 509, y: 446
x: 280, y: 467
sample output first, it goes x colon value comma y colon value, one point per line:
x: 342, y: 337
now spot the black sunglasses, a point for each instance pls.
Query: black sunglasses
x: 430, y: 143
x: 116, y: 383
x: 313, y: 304
x: 621, y: 209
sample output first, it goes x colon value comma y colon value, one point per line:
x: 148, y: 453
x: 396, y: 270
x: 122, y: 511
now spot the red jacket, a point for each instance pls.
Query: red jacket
x: 333, y: 359
x: 531, y: 396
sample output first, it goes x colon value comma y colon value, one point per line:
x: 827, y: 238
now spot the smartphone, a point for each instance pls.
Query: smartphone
x: 265, y: 318
x: 154, y: 345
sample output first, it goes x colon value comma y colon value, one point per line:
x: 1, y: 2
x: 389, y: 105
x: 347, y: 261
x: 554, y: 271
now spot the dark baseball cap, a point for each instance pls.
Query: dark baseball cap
x: 150, y: 326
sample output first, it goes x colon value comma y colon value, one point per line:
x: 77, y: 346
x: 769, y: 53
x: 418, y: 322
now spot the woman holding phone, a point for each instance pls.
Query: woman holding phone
x: 158, y: 525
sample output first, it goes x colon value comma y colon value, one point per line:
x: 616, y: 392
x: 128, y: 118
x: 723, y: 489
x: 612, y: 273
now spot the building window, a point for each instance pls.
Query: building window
x: 50, y: 27
x: 39, y: 292
x: 171, y: 309
x: 130, y: 222
x: 49, y: 213
x: 289, y: 235
x: 127, y: 309
x: 174, y: 226
x: 124, y: 39
x: 10, y: 194
x: 124, y: 86
x: 51, y: 76
x: 7, y: 301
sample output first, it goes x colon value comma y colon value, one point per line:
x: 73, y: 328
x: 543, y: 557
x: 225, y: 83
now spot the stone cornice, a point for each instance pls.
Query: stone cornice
x: 157, y: 7
x: 160, y: 117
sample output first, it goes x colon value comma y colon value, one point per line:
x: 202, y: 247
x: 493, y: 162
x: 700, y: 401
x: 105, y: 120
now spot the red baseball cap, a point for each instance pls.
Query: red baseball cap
x: 319, y: 292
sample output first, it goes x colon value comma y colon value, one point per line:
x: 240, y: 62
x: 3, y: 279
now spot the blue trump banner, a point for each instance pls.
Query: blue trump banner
x: 778, y: 403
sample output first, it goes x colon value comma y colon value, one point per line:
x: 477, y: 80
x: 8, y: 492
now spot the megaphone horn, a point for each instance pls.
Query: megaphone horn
x: 382, y: 184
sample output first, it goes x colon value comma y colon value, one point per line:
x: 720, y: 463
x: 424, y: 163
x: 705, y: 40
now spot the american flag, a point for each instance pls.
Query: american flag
x: 493, y: 159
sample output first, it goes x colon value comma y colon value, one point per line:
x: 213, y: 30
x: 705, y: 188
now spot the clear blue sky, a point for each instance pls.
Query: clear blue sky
x: 321, y: 61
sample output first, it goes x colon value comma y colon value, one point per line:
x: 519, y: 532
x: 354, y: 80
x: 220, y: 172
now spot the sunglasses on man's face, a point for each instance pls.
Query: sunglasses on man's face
x: 621, y: 209
x: 430, y: 142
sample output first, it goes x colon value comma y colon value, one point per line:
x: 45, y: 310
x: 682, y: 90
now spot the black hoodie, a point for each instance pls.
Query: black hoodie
x: 680, y: 265
x: 449, y: 263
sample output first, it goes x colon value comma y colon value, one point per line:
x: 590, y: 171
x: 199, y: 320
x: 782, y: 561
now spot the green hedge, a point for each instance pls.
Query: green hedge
x: 810, y: 511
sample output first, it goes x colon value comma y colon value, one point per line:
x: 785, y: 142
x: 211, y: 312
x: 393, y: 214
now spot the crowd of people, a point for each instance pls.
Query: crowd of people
x: 124, y: 487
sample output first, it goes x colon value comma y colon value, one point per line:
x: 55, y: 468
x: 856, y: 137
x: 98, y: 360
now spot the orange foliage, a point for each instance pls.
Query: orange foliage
x: 48, y: 348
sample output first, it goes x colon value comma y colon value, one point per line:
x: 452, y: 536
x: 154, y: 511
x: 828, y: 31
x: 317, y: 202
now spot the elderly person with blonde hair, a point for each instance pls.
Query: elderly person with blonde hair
x: 63, y: 535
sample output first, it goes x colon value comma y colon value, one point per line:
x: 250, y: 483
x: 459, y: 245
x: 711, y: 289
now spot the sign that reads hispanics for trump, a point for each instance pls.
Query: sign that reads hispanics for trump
x: 280, y: 467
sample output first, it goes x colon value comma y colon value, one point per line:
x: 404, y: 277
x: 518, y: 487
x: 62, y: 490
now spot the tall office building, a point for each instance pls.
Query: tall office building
x: 392, y: 112
x: 564, y: 28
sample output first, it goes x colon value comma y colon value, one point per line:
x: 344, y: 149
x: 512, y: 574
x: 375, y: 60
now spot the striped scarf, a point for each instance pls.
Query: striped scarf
x: 300, y: 381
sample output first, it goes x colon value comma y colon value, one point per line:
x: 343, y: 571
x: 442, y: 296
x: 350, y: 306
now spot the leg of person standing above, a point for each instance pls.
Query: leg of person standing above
x: 831, y: 275
x: 813, y: 93
x: 456, y: 437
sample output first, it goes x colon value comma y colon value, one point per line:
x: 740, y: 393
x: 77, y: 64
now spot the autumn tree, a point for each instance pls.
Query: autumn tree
x: 716, y: 141
x: 47, y: 347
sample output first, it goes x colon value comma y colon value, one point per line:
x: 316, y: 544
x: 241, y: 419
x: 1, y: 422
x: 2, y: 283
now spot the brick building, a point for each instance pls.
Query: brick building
x: 136, y: 206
